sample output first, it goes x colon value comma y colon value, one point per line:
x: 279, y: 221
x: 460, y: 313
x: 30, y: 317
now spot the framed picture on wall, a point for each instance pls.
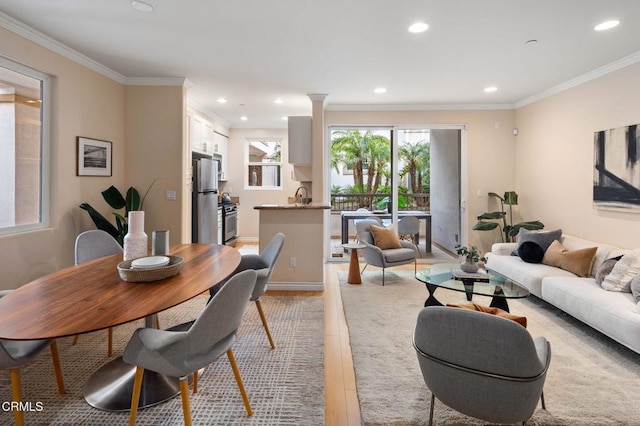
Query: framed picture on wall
x: 93, y: 157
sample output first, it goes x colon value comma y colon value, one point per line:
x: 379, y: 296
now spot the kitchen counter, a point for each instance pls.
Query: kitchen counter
x: 312, y: 206
x: 301, y: 262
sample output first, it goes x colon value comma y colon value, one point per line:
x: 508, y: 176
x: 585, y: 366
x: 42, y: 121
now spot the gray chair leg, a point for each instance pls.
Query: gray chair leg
x: 433, y: 401
x: 365, y: 267
x: 544, y: 407
x: 382, y: 277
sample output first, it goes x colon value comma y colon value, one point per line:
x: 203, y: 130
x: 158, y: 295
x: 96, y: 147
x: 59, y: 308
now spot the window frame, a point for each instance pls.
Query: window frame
x: 45, y: 146
x: 248, y: 164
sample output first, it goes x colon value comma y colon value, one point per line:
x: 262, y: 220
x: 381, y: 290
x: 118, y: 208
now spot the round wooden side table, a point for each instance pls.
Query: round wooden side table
x: 354, y: 265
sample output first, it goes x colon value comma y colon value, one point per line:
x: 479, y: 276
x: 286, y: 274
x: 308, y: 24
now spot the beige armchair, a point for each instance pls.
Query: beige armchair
x: 384, y: 258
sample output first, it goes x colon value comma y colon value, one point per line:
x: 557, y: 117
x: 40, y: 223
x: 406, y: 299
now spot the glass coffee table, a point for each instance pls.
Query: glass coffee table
x: 491, y: 284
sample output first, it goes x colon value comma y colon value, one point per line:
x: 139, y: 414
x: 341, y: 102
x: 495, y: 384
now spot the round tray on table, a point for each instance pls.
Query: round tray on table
x: 138, y: 275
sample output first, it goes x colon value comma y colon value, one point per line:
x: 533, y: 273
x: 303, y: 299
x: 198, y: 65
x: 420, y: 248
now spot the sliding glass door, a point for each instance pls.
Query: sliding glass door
x: 390, y: 173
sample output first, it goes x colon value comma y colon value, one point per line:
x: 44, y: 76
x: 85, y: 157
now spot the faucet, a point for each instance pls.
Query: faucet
x: 304, y: 200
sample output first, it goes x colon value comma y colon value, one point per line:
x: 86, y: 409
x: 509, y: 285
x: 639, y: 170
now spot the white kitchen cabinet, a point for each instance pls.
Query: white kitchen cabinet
x: 221, y: 146
x: 300, y: 140
x: 200, y: 134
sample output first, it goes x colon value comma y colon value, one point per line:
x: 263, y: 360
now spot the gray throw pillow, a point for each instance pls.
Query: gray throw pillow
x: 605, y: 269
x: 635, y: 288
x: 543, y: 239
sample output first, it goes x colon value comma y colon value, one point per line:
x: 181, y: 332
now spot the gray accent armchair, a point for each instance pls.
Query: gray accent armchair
x: 15, y: 354
x: 91, y: 245
x: 384, y: 258
x: 481, y: 365
x: 180, y: 353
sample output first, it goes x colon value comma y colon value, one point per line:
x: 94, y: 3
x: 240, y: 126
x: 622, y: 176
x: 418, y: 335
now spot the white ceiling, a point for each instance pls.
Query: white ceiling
x: 254, y: 51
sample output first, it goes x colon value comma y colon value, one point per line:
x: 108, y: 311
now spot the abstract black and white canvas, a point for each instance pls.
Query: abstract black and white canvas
x: 616, y: 174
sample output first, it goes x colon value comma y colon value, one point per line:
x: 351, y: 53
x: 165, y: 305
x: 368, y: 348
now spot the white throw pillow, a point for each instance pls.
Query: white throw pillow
x: 623, y: 272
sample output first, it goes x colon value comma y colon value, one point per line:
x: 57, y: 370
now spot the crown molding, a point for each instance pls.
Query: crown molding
x: 416, y: 107
x: 584, y: 78
x: 43, y: 40
x: 159, y: 81
x: 212, y: 115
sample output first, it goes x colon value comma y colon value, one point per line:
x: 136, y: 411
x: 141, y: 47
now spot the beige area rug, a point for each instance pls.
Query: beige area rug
x: 285, y: 385
x: 592, y: 380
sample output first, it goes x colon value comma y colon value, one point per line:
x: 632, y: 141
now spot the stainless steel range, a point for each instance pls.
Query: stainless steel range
x: 229, y: 223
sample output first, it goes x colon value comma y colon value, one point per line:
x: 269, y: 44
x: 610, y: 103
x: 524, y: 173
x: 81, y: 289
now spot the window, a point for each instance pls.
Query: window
x: 263, y: 159
x: 24, y: 148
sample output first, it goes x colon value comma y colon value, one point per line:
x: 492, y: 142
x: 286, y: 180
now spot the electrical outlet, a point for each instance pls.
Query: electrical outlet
x: 171, y: 195
x: 292, y: 262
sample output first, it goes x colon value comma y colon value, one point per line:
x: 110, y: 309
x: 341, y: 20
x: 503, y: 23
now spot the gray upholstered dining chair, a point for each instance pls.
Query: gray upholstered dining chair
x: 15, y: 354
x: 409, y: 227
x: 180, y: 353
x: 481, y: 365
x: 384, y: 258
x: 372, y: 217
x: 91, y: 245
x: 263, y: 264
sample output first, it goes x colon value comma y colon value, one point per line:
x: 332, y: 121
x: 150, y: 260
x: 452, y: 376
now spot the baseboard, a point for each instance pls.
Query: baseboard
x: 248, y: 239
x: 292, y: 286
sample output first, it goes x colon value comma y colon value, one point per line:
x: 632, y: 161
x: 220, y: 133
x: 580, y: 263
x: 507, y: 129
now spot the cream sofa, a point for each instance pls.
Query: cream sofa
x: 612, y: 313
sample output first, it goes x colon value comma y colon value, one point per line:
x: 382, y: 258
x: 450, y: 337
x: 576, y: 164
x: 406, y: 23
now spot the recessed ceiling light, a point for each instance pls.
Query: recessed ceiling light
x: 244, y: 118
x: 490, y: 89
x: 278, y: 101
x: 606, y: 25
x: 141, y: 6
x: 222, y: 100
x: 379, y: 90
x: 418, y: 27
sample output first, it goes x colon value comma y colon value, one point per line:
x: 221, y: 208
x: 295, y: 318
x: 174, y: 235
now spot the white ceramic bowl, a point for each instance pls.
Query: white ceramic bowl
x: 150, y: 262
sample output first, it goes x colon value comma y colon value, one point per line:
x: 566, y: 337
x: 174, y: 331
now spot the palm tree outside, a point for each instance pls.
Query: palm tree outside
x: 366, y: 155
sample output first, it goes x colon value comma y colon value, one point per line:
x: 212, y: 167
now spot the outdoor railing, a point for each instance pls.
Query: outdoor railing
x: 369, y: 201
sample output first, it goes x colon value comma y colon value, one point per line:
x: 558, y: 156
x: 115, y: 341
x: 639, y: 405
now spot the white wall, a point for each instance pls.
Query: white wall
x: 84, y: 103
x: 445, y: 188
x: 554, y: 157
x: 248, y: 217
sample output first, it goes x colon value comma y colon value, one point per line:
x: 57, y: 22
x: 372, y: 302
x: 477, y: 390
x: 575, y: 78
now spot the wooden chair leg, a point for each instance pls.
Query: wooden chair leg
x: 184, y: 394
x: 56, y: 366
x: 157, y: 321
x: 264, y: 323
x: 195, y: 381
x: 135, y: 395
x: 16, y: 395
x: 109, y: 342
x: 236, y: 373
x: 75, y: 339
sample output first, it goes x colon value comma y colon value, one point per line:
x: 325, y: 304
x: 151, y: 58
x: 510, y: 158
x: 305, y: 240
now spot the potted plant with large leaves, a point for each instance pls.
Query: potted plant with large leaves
x: 508, y: 229
x: 130, y: 202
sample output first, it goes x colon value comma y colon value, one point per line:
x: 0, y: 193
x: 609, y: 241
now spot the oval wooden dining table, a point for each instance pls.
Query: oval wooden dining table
x: 91, y: 296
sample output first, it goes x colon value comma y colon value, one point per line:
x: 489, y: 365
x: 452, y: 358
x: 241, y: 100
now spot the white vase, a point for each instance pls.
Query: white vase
x: 136, y: 241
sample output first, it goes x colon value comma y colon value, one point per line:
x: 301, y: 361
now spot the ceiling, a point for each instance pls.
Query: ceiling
x: 252, y: 52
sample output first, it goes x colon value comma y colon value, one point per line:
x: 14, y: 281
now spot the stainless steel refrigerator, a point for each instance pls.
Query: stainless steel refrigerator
x: 204, y: 211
